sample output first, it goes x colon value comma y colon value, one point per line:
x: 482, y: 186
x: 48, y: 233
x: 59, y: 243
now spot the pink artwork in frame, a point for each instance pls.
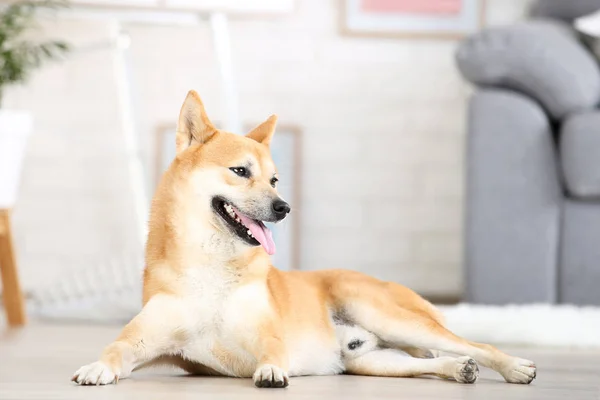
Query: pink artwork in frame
x: 444, y: 19
x: 413, y: 6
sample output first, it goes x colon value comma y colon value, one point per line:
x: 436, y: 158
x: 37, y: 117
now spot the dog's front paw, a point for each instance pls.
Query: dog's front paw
x: 270, y: 376
x: 96, y: 373
x: 519, y: 371
x: 466, y: 371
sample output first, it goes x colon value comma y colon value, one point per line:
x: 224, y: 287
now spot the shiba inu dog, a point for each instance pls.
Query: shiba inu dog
x: 214, y: 305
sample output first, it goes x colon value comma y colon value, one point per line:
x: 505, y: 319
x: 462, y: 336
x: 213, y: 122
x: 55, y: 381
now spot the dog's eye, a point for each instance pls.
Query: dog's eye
x: 241, y: 171
x: 274, y: 181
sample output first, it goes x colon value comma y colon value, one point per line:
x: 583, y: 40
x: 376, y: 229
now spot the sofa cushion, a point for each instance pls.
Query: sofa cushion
x: 580, y: 154
x: 542, y: 59
x: 566, y: 10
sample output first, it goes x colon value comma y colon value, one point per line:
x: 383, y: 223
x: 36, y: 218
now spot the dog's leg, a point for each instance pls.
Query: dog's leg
x: 157, y: 329
x: 272, y: 366
x: 269, y: 349
x: 399, y: 326
x: 393, y: 363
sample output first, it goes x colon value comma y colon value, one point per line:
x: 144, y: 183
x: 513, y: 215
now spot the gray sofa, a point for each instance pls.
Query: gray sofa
x: 533, y: 161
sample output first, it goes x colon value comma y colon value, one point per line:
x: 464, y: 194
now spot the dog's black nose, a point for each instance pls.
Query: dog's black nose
x: 280, y: 208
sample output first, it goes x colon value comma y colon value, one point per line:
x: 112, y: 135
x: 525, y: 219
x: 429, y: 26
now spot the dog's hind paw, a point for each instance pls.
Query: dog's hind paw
x: 466, y: 371
x: 520, y: 371
x: 270, y: 376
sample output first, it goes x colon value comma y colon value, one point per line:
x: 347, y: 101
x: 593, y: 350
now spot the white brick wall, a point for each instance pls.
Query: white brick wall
x: 383, y: 125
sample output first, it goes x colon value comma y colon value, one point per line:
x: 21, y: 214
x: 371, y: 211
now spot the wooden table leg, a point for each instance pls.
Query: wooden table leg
x: 11, y: 289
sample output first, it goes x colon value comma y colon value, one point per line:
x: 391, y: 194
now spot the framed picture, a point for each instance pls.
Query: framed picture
x: 286, y: 152
x: 164, y: 152
x: 438, y: 19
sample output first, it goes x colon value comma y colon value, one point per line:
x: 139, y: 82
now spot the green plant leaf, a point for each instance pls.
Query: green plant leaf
x: 19, y: 57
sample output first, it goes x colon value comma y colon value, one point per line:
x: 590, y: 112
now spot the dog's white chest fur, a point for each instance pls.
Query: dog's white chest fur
x: 222, y: 316
x: 210, y: 294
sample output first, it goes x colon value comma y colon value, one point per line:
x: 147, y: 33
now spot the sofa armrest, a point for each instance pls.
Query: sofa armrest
x: 543, y: 59
x: 514, y: 200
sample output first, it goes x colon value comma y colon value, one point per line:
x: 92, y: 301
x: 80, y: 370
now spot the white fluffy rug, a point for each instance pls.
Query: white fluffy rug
x: 533, y: 325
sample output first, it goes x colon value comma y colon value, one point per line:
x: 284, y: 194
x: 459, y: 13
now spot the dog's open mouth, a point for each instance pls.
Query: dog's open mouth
x: 251, y: 231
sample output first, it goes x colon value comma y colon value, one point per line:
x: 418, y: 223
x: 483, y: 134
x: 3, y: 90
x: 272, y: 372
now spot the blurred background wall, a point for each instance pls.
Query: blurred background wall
x: 383, y: 134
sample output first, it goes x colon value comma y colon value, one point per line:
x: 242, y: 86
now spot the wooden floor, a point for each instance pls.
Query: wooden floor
x: 37, y: 363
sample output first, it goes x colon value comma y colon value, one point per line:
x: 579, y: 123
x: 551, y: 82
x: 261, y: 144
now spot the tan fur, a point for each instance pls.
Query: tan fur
x: 214, y: 304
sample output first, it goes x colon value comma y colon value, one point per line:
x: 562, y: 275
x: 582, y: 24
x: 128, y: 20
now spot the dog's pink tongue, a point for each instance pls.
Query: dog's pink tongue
x: 260, y: 233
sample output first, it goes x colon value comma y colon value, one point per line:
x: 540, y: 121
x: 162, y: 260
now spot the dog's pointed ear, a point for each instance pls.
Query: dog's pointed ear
x: 264, y: 132
x: 193, y: 127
